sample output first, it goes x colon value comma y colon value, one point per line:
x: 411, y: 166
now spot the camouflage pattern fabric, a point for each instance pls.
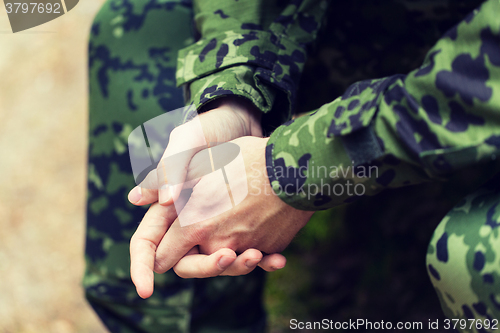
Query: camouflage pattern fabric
x: 399, y: 130
x: 410, y: 128
x: 132, y: 58
x: 426, y: 125
x: 463, y: 260
x: 440, y: 118
x: 253, y: 49
x: 376, y: 255
x: 389, y: 38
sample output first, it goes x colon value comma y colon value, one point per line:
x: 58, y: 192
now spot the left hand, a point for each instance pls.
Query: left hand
x: 262, y: 221
x: 230, y: 118
x: 148, y: 235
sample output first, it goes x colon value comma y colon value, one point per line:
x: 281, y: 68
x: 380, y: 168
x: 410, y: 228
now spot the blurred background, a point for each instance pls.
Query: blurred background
x: 43, y: 130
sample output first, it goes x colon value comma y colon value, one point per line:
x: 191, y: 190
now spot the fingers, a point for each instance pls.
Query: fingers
x: 141, y: 268
x: 143, y: 245
x: 198, y: 265
x: 165, y: 183
x: 146, y: 192
x: 186, y: 141
x: 244, y: 263
x: 176, y: 242
x: 221, y: 262
x: 272, y: 262
x: 225, y: 262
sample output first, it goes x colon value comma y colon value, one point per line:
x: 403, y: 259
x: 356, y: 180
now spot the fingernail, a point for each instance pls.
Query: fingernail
x: 225, y: 261
x: 251, y: 263
x: 275, y: 268
x: 135, y: 195
x: 164, y: 194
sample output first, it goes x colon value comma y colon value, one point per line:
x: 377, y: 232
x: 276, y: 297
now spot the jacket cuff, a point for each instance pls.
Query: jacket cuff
x: 237, y: 80
x: 300, y: 166
x: 267, y: 59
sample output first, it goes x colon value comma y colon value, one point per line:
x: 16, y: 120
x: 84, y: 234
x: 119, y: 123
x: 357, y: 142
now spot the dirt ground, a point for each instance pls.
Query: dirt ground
x: 43, y: 125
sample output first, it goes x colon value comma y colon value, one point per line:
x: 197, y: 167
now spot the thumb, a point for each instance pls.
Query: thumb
x: 146, y: 192
x: 172, y: 173
x: 184, y: 142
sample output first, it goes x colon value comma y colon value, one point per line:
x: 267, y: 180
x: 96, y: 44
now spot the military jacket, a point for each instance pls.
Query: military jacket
x: 381, y: 133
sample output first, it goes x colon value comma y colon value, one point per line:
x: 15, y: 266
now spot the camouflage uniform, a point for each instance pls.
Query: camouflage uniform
x: 132, y: 79
x: 407, y: 126
x: 381, y: 133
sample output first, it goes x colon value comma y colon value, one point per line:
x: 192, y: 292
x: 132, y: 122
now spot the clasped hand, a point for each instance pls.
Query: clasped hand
x: 261, y: 222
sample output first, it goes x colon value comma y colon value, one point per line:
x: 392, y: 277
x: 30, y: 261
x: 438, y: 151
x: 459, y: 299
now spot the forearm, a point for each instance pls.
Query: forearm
x: 406, y: 129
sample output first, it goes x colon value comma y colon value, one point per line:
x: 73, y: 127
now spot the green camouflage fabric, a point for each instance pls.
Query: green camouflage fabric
x: 409, y: 129
x: 399, y: 130
x: 440, y: 118
x: 364, y: 39
x: 132, y: 58
x: 469, y: 289
x: 375, y: 247
x: 253, y: 49
x: 412, y: 128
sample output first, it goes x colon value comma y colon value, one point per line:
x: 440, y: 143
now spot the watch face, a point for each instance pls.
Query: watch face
x: 26, y: 14
x: 217, y: 168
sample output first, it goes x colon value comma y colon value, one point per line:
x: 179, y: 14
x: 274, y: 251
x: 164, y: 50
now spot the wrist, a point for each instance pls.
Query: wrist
x: 243, y: 108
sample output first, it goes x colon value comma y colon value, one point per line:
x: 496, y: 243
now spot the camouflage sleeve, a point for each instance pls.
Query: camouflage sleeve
x: 399, y: 130
x: 251, y: 48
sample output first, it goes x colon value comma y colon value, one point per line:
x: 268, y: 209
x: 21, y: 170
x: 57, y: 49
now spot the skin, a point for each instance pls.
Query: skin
x: 261, y: 221
x: 228, y: 118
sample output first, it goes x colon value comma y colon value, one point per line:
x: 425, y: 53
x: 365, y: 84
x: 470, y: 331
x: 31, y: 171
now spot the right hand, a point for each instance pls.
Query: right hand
x: 261, y: 222
x: 230, y: 118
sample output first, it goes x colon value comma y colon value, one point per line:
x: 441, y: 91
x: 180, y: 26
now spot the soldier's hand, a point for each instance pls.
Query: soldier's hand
x: 261, y: 221
x: 150, y: 232
x: 196, y: 265
x: 230, y: 118
x: 193, y: 265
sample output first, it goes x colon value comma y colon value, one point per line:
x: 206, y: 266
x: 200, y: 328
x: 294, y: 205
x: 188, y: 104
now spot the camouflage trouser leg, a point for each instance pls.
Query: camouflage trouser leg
x: 132, y: 57
x: 463, y: 260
